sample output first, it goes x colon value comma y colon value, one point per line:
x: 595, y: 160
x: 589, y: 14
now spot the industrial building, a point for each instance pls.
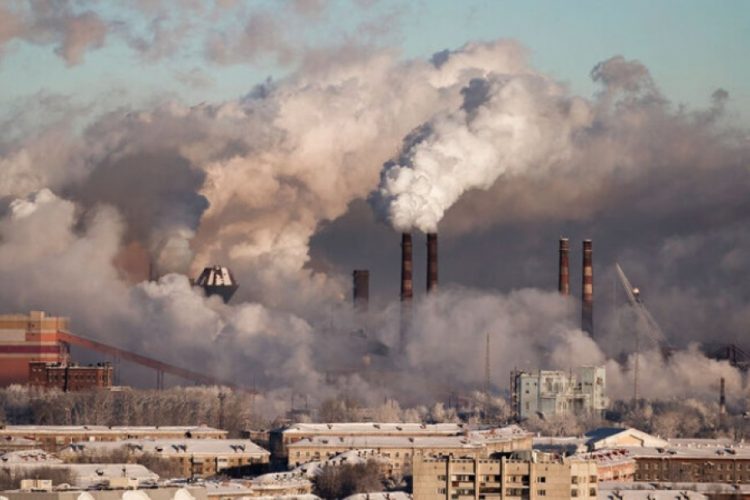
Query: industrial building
x: 195, y: 457
x: 547, y: 393
x: 527, y: 474
x: 55, y: 437
x: 26, y: 339
x: 70, y: 376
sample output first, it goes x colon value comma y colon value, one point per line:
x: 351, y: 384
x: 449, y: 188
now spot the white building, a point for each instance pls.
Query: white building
x: 547, y: 393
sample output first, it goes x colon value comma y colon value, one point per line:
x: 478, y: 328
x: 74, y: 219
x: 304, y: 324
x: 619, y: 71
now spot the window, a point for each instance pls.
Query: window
x: 441, y: 491
x: 574, y: 480
x: 541, y: 493
x: 592, y: 479
x: 592, y: 492
x: 574, y: 492
x: 541, y: 479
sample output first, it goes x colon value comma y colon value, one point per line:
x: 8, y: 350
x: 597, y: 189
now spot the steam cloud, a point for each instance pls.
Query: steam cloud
x: 475, y: 140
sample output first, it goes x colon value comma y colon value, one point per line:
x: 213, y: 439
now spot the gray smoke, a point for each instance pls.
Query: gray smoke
x: 274, y: 186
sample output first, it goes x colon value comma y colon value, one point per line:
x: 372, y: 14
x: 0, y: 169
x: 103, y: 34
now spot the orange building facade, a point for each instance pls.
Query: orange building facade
x: 29, y: 338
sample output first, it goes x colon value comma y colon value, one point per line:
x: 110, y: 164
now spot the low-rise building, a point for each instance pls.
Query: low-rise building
x: 280, y: 439
x: 528, y: 474
x: 55, y: 437
x: 161, y: 493
x: 93, y: 475
x: 399, y: 451
x: 546, y: 393
x: 195, y: 457
x: 70, y: 376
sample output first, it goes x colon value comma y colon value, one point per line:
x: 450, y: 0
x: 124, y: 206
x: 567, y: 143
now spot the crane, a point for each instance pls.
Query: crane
x: 647, y: 324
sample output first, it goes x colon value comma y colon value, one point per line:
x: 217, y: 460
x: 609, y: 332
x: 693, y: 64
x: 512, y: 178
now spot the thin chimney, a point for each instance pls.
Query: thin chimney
x: 722, y: 399
x: 361, y: 289
x: 563, y: 282
x: 432, y: 262
x: 587, y: 290
x: 407, y: 289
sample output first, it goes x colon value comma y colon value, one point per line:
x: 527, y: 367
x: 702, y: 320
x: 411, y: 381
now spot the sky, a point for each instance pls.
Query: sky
x: 692, y: 47
x: 293, y: 140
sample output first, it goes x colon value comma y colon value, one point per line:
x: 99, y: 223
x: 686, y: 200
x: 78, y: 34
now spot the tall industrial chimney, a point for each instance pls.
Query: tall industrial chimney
x: 722, y: 399
x: 361, y: 289
x: 407, y: 288
x: 587, y: 290
x: 563, y: 282
x: 432, y: 262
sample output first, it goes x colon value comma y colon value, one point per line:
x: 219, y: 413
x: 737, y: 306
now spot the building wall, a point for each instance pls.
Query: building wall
x: 559, y: 393
x: 24, y: 339
x: 70, y: 377
x: 446, y: 478
x: 719, y: 469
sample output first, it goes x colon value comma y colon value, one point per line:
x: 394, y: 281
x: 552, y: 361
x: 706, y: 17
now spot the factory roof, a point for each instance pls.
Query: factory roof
x: 103, y: 429
x: 337, y: 428
x: 173, y: 446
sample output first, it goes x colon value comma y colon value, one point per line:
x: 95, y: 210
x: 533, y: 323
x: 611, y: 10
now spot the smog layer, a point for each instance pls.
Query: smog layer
x: 305, y: 178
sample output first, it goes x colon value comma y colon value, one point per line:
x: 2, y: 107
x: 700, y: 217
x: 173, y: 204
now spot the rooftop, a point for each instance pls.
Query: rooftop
x: 172, y: 446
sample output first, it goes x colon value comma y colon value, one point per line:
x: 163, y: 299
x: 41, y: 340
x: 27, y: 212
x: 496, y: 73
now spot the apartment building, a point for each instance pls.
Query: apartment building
x: 55, y: 437
x: 399, y: 451
x: 195, y: 457
x: 525, y: 474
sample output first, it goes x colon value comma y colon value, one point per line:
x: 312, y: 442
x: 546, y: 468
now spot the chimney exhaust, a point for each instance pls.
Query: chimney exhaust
x: 587, y: 290
x: 563, y: 282
x: 432, y: 262
x: 361, y: 289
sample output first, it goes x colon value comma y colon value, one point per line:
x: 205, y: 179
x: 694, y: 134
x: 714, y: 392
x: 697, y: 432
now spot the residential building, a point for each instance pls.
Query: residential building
x: 161, y: 493
x: 526, y: 474
x: 547, y: 393
x: 281, y: 438
x: 399, y: 451
x: 195, y: 457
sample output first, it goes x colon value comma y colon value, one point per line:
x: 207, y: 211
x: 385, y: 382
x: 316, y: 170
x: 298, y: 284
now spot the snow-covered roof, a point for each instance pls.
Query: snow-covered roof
x: 713, y: 453
x: 377, y: 442
x: 169, y: 447
x: 29, y: 456
x: 104, y: 429
x: 613, y: 437
x: 672, y: 490
x: 473, y: 439
x: 607, y: 457
x: 336, y: 428
x: 87, y: 475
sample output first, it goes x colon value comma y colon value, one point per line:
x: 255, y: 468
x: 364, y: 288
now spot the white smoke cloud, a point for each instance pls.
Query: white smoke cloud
x: 511, y: 121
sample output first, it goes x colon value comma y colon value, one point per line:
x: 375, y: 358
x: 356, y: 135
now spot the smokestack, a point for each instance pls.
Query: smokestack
x: 361, y: 289
x: 407, y: 289
x: 563, y: 282
x: 722, y: 399
x: 587, y: 290
x: 432, y: 262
